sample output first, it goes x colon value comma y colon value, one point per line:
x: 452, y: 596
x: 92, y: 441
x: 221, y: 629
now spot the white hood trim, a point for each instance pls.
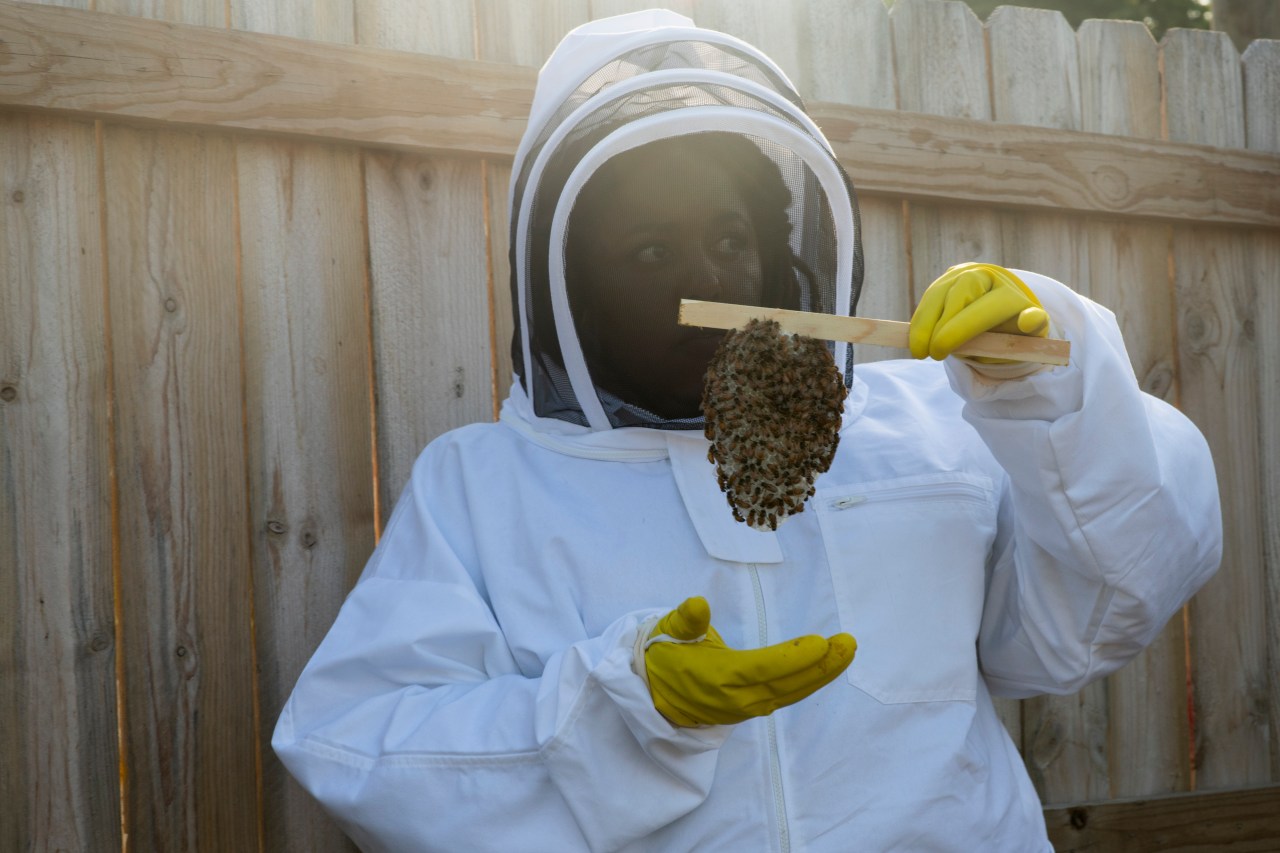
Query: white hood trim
x: 582, y: 52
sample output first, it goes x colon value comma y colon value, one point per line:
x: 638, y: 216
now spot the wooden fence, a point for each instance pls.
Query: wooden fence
x: 253, y: 257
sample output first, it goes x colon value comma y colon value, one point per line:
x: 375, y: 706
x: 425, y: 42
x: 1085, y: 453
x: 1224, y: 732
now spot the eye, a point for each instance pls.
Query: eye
x: 654, y: 253
x: 732, y: 244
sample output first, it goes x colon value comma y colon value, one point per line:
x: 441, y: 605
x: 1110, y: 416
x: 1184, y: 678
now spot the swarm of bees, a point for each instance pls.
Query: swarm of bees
x: 772, y: 403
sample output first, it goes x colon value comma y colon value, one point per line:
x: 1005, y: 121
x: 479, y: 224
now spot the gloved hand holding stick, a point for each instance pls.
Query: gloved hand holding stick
x: 959, y: 288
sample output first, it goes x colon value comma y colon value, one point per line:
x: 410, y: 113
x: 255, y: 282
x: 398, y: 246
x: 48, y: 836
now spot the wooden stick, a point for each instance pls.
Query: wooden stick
x: 863, y: 330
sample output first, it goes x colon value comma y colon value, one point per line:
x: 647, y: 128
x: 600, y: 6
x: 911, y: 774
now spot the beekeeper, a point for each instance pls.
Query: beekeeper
x: 565, y: 642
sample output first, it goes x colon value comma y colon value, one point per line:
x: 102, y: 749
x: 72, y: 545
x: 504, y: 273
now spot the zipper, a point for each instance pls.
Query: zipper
x: 938, y: 491
x: 775, y: 764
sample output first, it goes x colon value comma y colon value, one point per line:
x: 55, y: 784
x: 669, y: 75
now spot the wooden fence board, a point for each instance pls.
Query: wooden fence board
x: 58, y: 696
x: 205, y: 13
x: 941, y: 68
x: 1035, y: 74
x: 307, y: 404
x: 1244, y: 821
x: 848, y: 59
x: 1216, y: 290
x: 522, y: 33
x: 316, y: 20
x: 1261, y: 62
x: 438, y: 27
x: 429, y: 268
x: 1148, y: 740
x: 865, y: 77
x: 307, y: 393
x: 210, y: 78
x: 185, y: 571
x: 609, y: 8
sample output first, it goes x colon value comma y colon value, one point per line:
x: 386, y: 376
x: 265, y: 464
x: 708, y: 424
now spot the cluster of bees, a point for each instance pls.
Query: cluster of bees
x: 772, y: 403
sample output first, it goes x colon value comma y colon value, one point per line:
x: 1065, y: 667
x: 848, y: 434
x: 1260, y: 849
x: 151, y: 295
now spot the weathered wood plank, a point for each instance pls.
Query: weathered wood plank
x: 114, y: 66
x: 522, y: 33
x: 439, y: 27
x: 1243, y: 821
x: 1261, y: 64
x: 1216, y: 284
x: 1148, y: 742
x: 1035, y: 73
x: 59, y: 755
x: 940, y: 60
x: 310, y: 443
x: 205, y: 13
x: 316, y: 20
x: 609, y: 8
x: 429, y: 269
x: 184, y: 556
x: 851, y: 62
x: 70, y: 61
x: 307, y: 404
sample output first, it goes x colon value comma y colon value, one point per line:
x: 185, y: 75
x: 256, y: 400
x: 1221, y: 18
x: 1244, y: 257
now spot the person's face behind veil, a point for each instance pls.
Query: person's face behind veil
x: 656, y: 225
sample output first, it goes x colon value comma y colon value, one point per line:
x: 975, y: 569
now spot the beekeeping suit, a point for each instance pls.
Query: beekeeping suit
x: 480, y: 689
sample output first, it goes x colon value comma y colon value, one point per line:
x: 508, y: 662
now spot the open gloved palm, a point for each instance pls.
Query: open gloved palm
x: 969, y: 299
x: 695, y: 679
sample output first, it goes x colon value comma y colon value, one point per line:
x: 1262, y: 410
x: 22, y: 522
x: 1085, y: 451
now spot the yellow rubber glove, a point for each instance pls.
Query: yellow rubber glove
x: 701, y: 681
x: 969, y: 299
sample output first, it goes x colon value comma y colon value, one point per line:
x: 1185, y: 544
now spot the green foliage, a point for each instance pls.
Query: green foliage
x: 1159, y: 15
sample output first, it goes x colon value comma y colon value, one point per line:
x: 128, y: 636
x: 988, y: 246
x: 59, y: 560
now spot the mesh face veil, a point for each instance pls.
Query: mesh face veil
x: 664, y: 162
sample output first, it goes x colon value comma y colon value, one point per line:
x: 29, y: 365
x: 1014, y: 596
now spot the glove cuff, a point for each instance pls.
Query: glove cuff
x: 641, y: 643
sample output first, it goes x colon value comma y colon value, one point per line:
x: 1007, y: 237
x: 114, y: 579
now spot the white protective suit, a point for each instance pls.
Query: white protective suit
x: 478, y: 690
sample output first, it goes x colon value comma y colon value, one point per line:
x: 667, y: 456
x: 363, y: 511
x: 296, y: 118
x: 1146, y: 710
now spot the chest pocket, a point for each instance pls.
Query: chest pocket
x: 908, y: 561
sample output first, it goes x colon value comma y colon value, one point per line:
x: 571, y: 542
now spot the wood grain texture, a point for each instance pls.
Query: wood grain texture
x: 1148, y: 742
x: 124, y: 68
x: 1242, y: 821
x: 309, y: 437
x: 1119, y: 75
x: 940, y: 63
x: 609, y: 8
x: 58, y: 724
x: 310, y: 442
x: 429, y: 276
x: 430, y: 306
x: 69, y: 61
x: 940, y: 52
x: 205, y: 13
x: 1261, y: 63
x: 1035, y: 73
x: 1216, y: 278
x: 867, y: 330
x: 847, y: 58
x: 315, y: 20
x: 184, y: 555
x: 522, y: 33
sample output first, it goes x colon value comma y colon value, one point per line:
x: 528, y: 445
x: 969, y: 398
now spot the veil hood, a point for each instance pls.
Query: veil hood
x: 618, y: 83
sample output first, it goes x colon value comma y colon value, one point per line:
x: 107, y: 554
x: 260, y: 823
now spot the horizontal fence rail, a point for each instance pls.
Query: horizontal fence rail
x: 123, y: 68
